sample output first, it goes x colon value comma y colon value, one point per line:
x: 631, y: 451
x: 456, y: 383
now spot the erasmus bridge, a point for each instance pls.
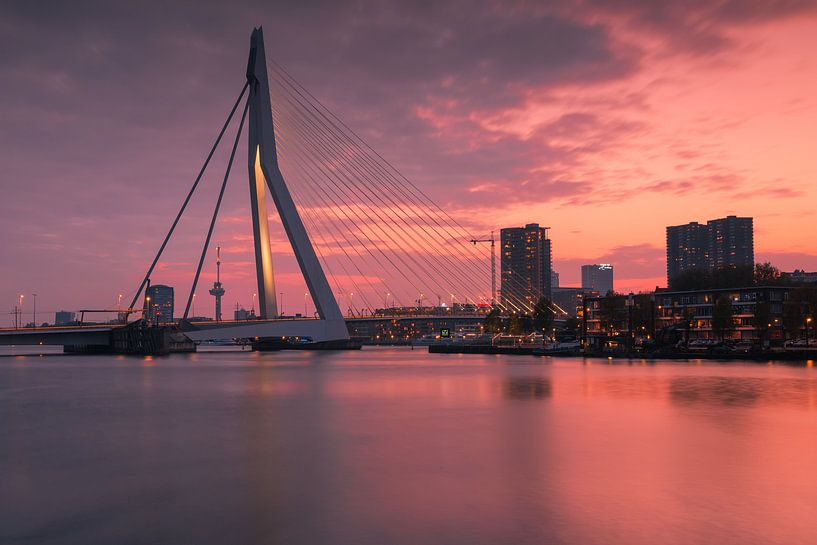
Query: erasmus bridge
x: 354, y: 223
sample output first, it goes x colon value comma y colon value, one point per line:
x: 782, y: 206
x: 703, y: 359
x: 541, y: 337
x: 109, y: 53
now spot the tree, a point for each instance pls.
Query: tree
x: 571, y: 325
x: 793, y: 318
x: 733, y: 276
x: 493, y: 321
x: 543, y: 315
x: 722, y: 317
x: 730, y: 276
x: 762, y: 319
x: 767, y: 274
x: 514, y: 324
x: 692, y: 279
x: 643, y: 314
x: 687, y: 318
x: 610, y: 309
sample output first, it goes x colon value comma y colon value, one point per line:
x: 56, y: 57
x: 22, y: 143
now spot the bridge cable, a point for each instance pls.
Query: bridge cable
x: 361, y: 215
x: 375, y: 211
x: 397, y: 205
x: 215, y: 211
x: 414, y: 201
x: 332, y: 205
x: 187, y: 199
x: 324, y: 244
x: 334, y: 149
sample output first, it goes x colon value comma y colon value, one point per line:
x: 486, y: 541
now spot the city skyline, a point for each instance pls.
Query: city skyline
x: 580, y: 135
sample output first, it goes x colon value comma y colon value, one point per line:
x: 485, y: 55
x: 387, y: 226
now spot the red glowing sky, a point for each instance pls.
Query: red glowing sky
x: 604, y: 120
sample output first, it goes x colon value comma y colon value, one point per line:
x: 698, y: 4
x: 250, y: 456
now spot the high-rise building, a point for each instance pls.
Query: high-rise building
x: 687, y: 248
x: 525, y: 265
x: 597, y: 277
x: 160, y: 309
x: 720, y: 243
x: 731, y: 242
x: 554, y: 280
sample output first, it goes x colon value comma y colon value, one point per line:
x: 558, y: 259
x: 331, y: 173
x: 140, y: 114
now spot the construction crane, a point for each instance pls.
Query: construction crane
x: 492, y: 240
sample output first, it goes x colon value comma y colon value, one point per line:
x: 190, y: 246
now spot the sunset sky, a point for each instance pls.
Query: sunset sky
x: 604, y: 120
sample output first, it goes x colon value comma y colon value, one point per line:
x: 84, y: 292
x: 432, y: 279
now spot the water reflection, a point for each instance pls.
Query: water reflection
x: 528, y: 388
x: 742, y: 391
x: 717, y: 390
x: 402, y: 447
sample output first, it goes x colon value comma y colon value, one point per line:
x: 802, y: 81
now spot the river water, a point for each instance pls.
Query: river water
x: 394, y: 446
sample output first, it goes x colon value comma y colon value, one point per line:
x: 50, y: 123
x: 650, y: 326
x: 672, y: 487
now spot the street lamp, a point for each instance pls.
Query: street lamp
x: 808, y: 322
x: 21, y: 310
x: 34, y: 318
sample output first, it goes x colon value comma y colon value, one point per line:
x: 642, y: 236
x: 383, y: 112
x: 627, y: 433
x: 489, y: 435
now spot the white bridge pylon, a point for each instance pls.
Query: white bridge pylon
x: 262, y: 163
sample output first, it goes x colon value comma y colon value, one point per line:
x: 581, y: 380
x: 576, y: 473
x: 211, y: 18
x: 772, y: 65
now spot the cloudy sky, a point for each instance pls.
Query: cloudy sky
x: 605, y: 120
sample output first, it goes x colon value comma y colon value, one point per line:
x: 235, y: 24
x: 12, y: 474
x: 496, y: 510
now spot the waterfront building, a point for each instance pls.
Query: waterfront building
x: 525, y: 266
x: 160, y: 310
x: 64, y: 317
x: 598, y: 277
x: 654, y: 312
x: 720, y: 243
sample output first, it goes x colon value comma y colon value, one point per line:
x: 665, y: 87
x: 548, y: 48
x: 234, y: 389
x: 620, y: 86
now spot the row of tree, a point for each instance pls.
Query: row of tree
x: 541, y: 319
x: 732, y: 276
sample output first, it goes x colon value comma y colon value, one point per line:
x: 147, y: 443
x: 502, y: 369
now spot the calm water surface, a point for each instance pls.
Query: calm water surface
x: 393, y: 446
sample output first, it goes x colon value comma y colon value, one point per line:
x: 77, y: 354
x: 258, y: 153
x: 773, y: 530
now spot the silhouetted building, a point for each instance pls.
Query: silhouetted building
x: 687, y: 249
x: 597, y: 277
x: 554, y: 280
x: 241, y: 314
x: 64, y: 317
x: 161, y: 304
x: 731, y: 242
x: 799, y: 276
x: 720, y: 243
x: 526, y: 265
x: 571, y: 300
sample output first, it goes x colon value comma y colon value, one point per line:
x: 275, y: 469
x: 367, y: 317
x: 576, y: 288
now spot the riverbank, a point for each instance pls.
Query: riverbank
x: 792, y: 355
